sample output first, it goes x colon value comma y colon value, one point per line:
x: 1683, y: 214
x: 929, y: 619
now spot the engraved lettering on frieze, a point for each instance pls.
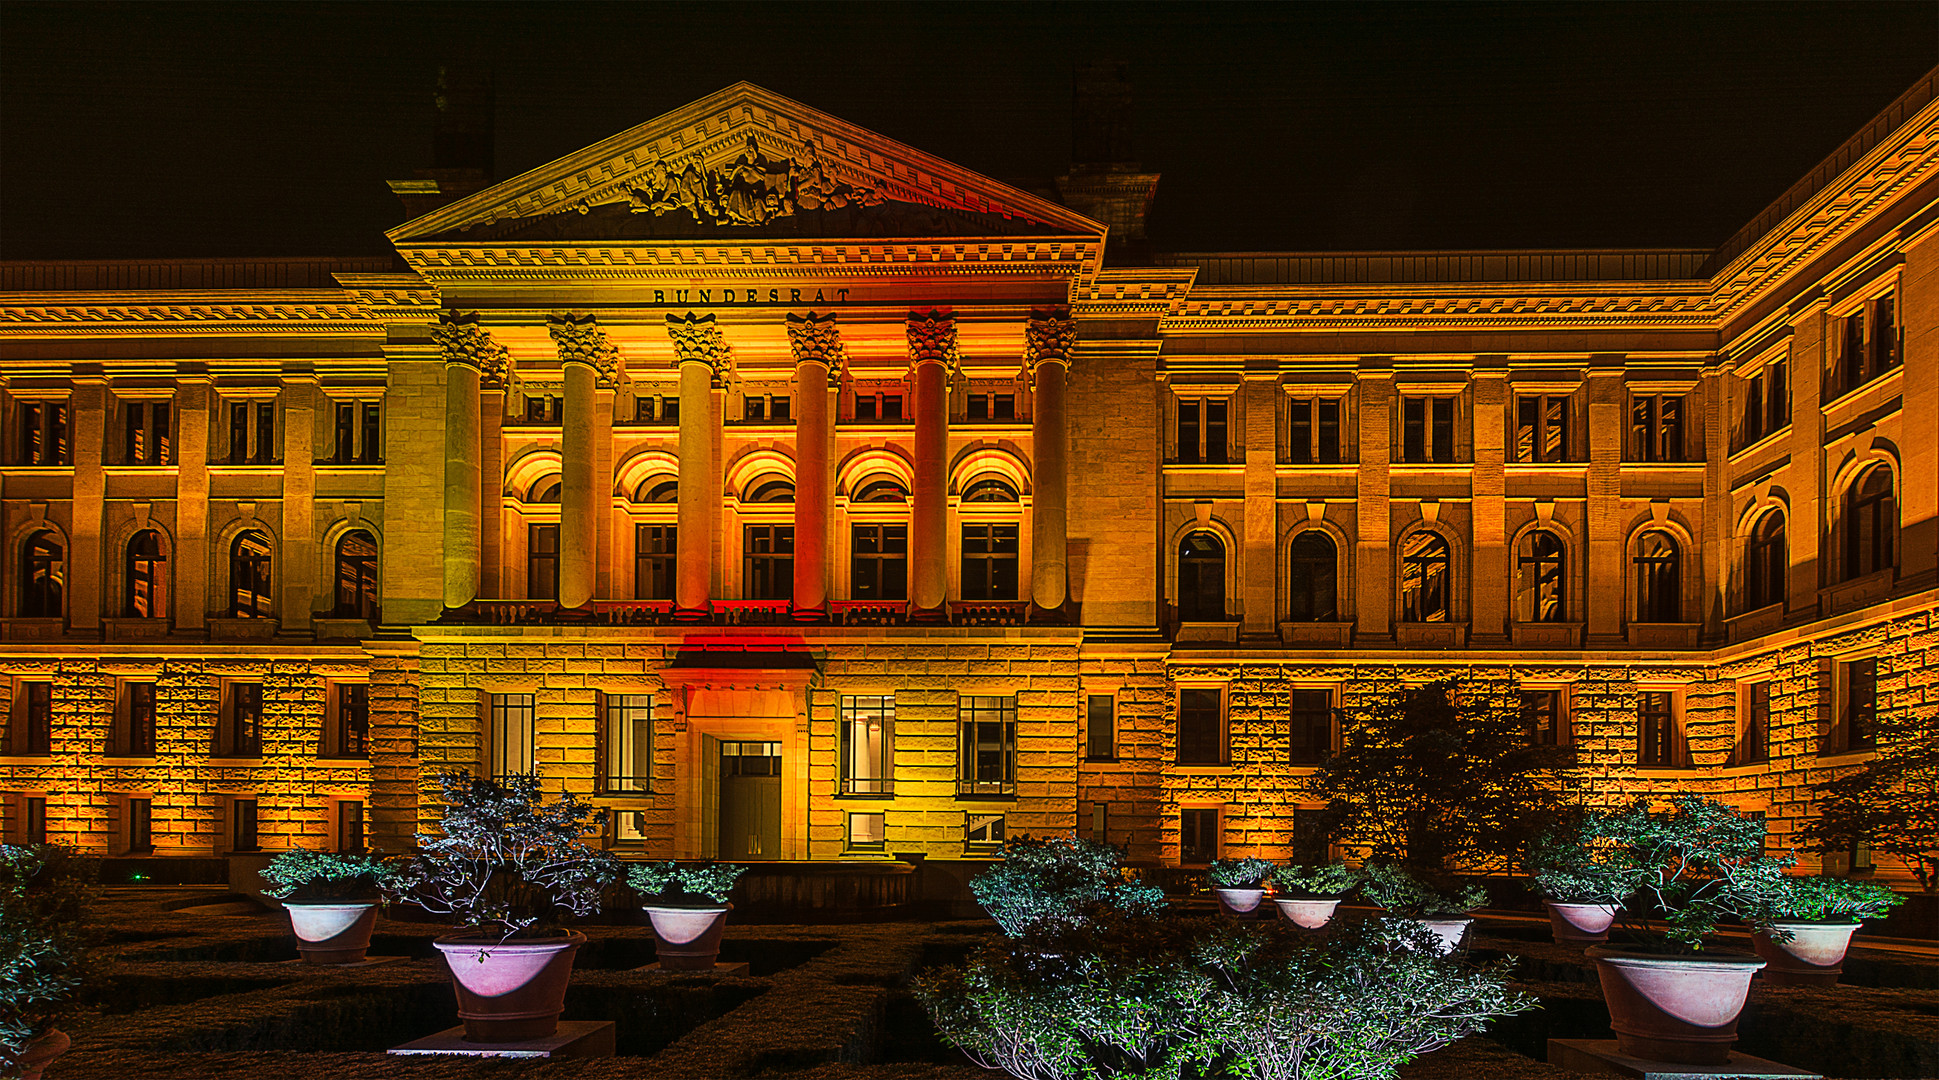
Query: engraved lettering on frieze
x: 465, y: 342
x: 752, y: 189
x: 581, y: 340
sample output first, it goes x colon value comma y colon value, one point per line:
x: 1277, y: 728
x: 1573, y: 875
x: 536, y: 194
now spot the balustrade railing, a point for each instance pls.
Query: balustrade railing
x: 727, y: 613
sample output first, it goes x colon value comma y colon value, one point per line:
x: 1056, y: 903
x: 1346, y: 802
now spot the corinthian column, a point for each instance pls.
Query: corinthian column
x: 1048, y: 341
x: 591, y: 365
x: 469, y: 352
x: 817, y: 350
x: 932, y: 352
x: 702, y: 354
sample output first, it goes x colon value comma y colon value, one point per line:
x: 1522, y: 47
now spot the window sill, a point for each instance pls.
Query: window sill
x: 1097, y: 761
x: 1224, y: 769
x: 26, y: 759
x: 1842, y: 398
x: 1667, y: 770
x: 228, y: 760
x: 37, y: 470
x: 365, y: 758
x: 1844, y: 756
x: 867, y: 796
x: 130, y: 760
x: 970, y: 796
x: 871, y: 853
x: 245, y: 468
x: 1761, y: 444
x: 1692, y: 466
x: 371, y: 468
x: 170, y: 469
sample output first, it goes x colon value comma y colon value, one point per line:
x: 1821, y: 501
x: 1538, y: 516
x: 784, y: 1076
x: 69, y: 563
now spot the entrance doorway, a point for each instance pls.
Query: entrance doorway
x: 750, y: 800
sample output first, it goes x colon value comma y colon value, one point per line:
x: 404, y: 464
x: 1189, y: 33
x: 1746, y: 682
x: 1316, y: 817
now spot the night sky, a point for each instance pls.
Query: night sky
x: 183, y: 130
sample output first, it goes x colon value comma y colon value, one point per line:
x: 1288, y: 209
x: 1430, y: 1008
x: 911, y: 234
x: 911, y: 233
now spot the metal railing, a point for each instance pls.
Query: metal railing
x: 731, y: 613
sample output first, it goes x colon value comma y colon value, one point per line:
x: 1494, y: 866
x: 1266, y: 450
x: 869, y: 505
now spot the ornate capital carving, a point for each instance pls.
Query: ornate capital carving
x: 696, y: 338
x: 1049, y: 336
x: 932, y: 338
x: 815, y: 339
x: 581, y: 340
x: 467, y: 343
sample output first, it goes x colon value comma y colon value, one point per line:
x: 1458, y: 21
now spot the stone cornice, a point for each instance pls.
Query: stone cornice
x: 765, y: 259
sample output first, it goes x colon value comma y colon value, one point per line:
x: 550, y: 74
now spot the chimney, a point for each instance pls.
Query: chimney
x: 461, y: 145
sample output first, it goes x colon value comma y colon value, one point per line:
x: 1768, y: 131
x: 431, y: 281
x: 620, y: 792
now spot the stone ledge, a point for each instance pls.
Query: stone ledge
x: 1600, y: 1056
x: 574, y: 1039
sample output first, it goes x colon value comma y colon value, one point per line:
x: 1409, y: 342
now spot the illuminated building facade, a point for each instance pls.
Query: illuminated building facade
x: 798, y: 495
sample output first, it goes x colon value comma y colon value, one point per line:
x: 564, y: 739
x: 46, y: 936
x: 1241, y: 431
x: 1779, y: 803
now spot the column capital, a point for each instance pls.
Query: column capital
x: 932, y: 338
x: 697, y: 339
x: 466, y: 343
x: 1049, y: 336
x: 581, y: 340
x: 816, y: 340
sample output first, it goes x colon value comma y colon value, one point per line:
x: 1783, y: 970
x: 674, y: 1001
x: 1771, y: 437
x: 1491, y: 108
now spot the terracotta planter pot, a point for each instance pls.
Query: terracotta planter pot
x: 1308, y: 914
x: 332, y: 933
x: 40, y: 1050
x: 687, y: 938
x: 1674, y: 1008
x: 1813, y: 957
x: 1449, y: 931
x: 512, y: 991
x: 1585, y: 923
x: 1240, y: 903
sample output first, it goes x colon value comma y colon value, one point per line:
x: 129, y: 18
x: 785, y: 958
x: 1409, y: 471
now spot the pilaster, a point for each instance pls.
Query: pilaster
x: 1604, y: 539
x: 299, y: 546
x: 413, y: 541
x: 193, y: 397
x: 1258, y: 570
x: 1493, y: 568
x: 86, y: 599
x: 1373, y: 559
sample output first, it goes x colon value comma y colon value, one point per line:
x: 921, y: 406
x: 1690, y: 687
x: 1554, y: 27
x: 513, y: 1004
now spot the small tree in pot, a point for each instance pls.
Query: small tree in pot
x: 1308, y: 893
x: 688, y: 908
x: 1808, y: 923
x: 1239, y: 884
x: 44, y: 948
x: 509, y: 868
x: 1058, y: 879
x: 331, y: 898
x: 1583, y: 881
x: 1441, y: 907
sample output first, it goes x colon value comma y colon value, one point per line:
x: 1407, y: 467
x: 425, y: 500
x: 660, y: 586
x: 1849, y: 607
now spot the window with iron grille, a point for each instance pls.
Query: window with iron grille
x: 626, y: 744
x: 509, y: 734
x: 987, y: 750
x: 867, y: 730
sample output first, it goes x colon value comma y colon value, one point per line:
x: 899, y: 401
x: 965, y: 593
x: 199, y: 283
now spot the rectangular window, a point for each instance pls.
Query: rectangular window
x: 146, y: 433
x: 983, y: 832
x: 31, y: 725
x: 1314, y: 427
x: 977, y: 407
x: 1311, y: 729
x: 1198, y: 836
x: 626, y: 744
x: 867, y: 745
x: 1202, y: 424
x: 656, y: 560
x: 35, y: 829
x: 1427, y: 430
x: 141, y: 826
x: 1311, y: 844
x: 352, y: 836
x: 754, y: 408
x: 244, y: 834
x: 769, y: 562
x: 1095, y: 822
x: 238, y: 432
x: 1003, y: 406
x: 990, y: 562
x: 265, y: 448
x: 891, y: 406
x: 244, y: 734
x: 866, y: 407
x: 879, y: 562
x: 1655, y: 427
x: 1190, y: 437
x: 867, y: 830
x: 43, y: 433
x: 1754, y: 740
x: 351, y: 737
x: 542, y: 410
x: 779, y: 410
x: 542, y: 562
x: 1100, y: 728
x: 1542, y: 718
x: 1860, y: 712
x: 1767, y: 404
x: 509, y: 735
x: 372, y: 451
x: 141, y: 720
x: 1201, y: 726
x: 987, y: 750
x: 1542, y: 428
x: 1656, y: 730
x: 1885, y: 336
x: 346, y: 433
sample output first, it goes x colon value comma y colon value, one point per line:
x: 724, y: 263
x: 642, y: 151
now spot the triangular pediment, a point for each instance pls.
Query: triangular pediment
x: 744, y: 163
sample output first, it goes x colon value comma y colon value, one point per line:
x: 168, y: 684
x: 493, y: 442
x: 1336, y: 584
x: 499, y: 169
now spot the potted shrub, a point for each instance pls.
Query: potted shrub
x: 508, y: 869
x: 1307, y: 894
x: 1443, y: 912
x: 1809, y: 922
x: 1583, y: 882
x: 331, y: 898
x: 1239, y: 884
x: 44, y: 944
x: 1670, y: 998
x: 688, y: 908
x: 1058, y: 879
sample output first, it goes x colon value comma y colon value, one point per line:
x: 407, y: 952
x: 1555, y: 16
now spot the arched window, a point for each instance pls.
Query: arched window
x: 1313, y: 578
x: 1659, y: 597
x: 658, y: 491
x: 147, y: 569
x: 772, y: 491
x: 1201, y: 578
x: 249, y: 577
x: 990, y: 489
x: 883, y: 490
x: 1871, y: 517
x: 1769, y: 561
x: 1426, y: 578
x: 1539, y: 578
x: 43, y: 576
x: 545, y: 490
x: 357, y: 576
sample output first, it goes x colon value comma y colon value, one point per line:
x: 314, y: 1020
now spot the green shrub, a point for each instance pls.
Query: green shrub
x: 44, y: 940
x: 1701, y: 862
x: 671, y: 883
x: 322, y: 876
x: 1122, y: 995
x: 1058, y: 879
x: 1403, y: 894
x: 1829, y: 899
x: 1238, y: 873
x: 1573, y: 864
x: 1315, y: 881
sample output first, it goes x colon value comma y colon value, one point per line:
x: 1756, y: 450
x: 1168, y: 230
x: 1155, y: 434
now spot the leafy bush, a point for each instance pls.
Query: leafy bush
x: 1891, y: 803
x: 1410, y: 897
x: 508, y: 863
x: 44, y: 940
x: 1573, y: 864
x: 1126, y: 995
x: 1321, y: 881
x: 1238, y: 873
x: 1829, y: 899
x: 323, y: 876
x: 671, y: 883
x: 1701, y: 861
x: 1058, y: 879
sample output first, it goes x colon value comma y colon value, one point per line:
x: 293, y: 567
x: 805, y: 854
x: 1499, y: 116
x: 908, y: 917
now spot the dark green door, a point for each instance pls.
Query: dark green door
x: 750, y: 801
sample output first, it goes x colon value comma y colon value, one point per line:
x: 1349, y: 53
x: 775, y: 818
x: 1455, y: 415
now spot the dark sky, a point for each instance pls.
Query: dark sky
x: 173, y: 129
